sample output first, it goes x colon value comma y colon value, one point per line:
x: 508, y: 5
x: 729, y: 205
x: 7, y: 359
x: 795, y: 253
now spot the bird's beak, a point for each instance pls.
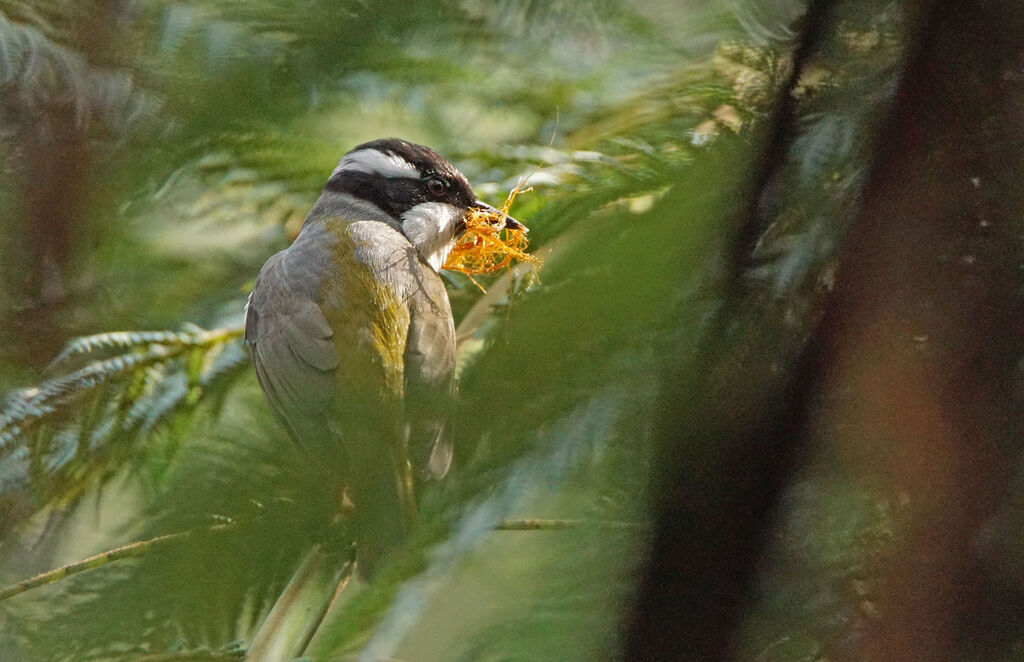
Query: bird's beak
x: 510, y: 223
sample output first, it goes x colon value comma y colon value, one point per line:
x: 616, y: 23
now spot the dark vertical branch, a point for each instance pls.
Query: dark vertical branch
x: 731, y: 440
x: 711, y: 512
x: 778, y: 137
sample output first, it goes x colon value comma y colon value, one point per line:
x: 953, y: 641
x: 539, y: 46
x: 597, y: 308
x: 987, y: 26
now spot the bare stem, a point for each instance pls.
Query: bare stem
x: 193, y: 656
x: 300, y: 609
x: 146, y: 546
x: 533, y: 524
x: 103, y: 558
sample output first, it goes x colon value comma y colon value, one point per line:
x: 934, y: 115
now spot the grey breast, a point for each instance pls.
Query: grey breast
x: 430, y: 343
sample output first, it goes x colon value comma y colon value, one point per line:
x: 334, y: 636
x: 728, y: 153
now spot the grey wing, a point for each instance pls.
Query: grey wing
x: 291, y: 345
x: 430, y: 376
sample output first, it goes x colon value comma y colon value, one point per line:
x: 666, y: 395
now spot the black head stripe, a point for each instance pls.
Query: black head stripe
x: 396, y: 195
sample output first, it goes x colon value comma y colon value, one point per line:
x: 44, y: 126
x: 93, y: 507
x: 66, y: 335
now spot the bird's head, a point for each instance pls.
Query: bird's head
x: 416, y: 186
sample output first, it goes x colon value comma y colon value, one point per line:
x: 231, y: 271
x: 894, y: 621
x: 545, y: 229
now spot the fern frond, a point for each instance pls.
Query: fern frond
x: 94, y: 419
x: 129, y: 340
x: 32, y: 405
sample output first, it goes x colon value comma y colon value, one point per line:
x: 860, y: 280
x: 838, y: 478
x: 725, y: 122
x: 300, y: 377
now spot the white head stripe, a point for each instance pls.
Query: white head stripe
x: 377, y: 162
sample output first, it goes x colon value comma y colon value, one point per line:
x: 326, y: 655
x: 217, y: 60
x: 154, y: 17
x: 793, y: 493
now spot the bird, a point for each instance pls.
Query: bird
x: 352, y: 336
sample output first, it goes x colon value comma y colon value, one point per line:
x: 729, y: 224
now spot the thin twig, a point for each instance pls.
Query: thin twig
x: 534, y: 524
x: 343, y: 575
x: 145, y: 546
x: 193, y: 656
x: 103, y: 558
x: 300, y: 609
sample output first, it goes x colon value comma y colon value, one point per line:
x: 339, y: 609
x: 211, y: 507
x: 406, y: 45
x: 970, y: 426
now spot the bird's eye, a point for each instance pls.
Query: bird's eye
x: 436, y: 186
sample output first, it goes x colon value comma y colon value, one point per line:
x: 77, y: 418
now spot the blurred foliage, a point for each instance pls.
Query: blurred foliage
x: 155, y: 152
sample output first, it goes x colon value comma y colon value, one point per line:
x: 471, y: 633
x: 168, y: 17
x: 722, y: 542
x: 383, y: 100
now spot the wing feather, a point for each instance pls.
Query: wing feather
x: 291, y: 347
x: 430, y: 377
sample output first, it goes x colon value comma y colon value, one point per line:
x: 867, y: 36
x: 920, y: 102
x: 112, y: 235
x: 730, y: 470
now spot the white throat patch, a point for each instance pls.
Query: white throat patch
x: 376, y: 162
x: 430, y: 226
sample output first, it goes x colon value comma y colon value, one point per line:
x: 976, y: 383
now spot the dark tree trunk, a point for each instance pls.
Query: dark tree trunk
x: 918, y: 351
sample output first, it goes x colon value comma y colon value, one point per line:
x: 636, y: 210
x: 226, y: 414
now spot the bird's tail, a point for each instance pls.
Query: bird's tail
x: 385, y: 508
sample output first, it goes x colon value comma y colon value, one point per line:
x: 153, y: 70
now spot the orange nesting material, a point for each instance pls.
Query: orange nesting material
x: 487, y: 245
